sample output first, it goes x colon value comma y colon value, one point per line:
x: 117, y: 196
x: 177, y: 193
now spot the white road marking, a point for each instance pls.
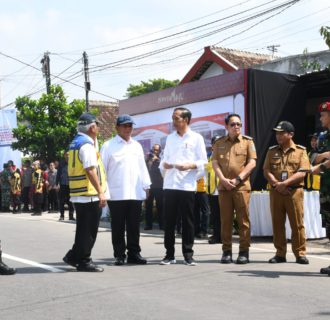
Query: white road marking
x: 32, y: 263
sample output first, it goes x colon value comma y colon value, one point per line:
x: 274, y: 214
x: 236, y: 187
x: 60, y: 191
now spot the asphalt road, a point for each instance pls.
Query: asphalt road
x: 45, y: 288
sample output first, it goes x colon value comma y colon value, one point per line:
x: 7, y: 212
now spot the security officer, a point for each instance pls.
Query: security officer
x: 234, y: 158
x: 324, y: 168
x: 285, y: 167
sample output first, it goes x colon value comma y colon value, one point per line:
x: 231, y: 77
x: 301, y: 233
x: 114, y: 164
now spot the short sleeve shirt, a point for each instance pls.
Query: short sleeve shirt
x: 232, y: 157
x: 278, y: 161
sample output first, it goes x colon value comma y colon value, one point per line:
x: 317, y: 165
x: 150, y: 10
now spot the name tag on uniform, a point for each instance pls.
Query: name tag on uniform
x: 284, y: 175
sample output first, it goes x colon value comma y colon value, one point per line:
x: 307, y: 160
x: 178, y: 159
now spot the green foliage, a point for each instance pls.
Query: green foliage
x: 150, y: 86
x: 46, y: 126
x: 313, y: 65
x: 325, y: 32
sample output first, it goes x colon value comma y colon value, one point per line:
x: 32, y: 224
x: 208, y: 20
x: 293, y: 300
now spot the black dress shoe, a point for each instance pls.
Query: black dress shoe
x: 119, y: 261
x: 325, y: 271
x: 68, y: 260
x: 136, y: 259
x: 226, y: 257
x: 302, y: 260
x: 89, y: 267
x: 243, y: 258
x: 5, y: 270
x: 277, y: 259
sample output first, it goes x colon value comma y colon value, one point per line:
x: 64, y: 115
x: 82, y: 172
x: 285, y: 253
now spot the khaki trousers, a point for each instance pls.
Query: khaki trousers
x: 235, y: 202
x: 293, y: 206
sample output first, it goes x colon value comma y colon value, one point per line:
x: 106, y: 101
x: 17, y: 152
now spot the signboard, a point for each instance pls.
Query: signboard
x: 208, y: 118
x: 8, y: 121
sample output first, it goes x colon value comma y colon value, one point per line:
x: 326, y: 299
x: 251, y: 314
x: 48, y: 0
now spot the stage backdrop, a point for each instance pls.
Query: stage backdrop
x: 208, y: 118
x: 8, y: 121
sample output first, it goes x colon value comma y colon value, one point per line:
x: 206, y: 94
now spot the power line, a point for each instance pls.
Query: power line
x: 164, y: 49
x: 159, y: 31
x: 57, y: 77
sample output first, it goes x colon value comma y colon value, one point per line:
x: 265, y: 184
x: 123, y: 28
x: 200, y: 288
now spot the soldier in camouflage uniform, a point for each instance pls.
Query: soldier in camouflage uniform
x: 323, y: 167
x: 5, y: 187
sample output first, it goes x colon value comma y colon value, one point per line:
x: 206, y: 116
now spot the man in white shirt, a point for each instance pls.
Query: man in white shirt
x: 182, y: 165
x: 88, y: 192
x: 129, y: 183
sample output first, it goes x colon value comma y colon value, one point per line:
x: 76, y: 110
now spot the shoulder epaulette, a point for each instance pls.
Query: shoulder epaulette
x: 300, y: 146
x: 273, y: 147
x: 220, y: 138
x: 247, y: 137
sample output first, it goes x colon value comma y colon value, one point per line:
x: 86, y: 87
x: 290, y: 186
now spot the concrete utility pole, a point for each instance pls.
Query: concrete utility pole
x: 87, y: 82
x: 273, y: 49
x: 45, y: 67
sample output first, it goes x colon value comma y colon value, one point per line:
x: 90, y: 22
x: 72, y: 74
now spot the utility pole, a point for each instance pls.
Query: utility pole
x: 45, y: 67
x: 87, y: 82
x: 273, y: 49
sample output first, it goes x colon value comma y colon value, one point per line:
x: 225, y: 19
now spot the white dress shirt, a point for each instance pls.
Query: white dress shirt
x: 88, y: 158
x: 126, y: 170
x: 190, y: 148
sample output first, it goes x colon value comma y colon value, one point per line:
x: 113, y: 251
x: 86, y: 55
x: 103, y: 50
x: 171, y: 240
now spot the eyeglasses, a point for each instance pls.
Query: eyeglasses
x: 233, y: 124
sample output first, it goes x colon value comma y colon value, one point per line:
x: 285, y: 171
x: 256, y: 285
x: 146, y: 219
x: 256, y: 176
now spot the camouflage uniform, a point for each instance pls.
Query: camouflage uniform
x: 5, y: 189
x: 324, y: 146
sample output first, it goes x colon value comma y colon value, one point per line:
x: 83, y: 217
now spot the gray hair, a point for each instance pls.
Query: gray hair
x: 83, y: 128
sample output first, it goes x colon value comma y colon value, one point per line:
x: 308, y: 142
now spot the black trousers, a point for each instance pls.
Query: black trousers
x: 156, y: 194
x: 201, y: 212
x: 125, y: 213
x: 65, y: 199
x: 177, y: 202
x: 87, y: 224
x: 26, y: 197
x: 215, y: 217
x: 53, y: 199
x: 37, y: 202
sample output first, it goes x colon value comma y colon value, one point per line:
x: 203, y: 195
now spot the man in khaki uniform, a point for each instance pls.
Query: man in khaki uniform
x: 284, y: 168
x: 234, y: 158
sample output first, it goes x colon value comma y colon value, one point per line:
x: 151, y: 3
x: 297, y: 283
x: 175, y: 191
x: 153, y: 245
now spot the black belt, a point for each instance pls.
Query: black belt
x: 295, y: 187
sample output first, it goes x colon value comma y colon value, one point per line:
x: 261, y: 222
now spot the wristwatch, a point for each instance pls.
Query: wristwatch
x: 239, y: 179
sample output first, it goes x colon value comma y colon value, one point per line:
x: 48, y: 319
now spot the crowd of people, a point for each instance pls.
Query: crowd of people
x: 35, y: 188
x: 190, y: 188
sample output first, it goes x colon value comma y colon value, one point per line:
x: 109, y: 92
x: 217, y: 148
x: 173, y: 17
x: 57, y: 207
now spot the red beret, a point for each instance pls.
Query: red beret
x: 324, y: 106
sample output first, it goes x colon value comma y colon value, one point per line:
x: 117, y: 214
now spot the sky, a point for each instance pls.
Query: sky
x: 132, y: 41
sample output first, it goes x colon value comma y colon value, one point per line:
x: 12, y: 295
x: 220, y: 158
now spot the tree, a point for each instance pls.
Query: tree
x: 150, y: 86
x: 325, y: 32
x: 46, y: 126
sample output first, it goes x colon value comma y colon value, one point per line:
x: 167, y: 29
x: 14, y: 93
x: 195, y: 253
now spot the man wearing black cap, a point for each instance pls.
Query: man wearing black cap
x: 129, y: 183
x: 88, y: 192
x: 284, y: 168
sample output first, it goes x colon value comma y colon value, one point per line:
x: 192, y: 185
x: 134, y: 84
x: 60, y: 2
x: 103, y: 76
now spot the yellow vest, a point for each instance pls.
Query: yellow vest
x: 201, y: 185
x: 212, y: 180
x: 15, y: 183
x: 38, y: 181
x: 79, y: 183
x: 313, y: 181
